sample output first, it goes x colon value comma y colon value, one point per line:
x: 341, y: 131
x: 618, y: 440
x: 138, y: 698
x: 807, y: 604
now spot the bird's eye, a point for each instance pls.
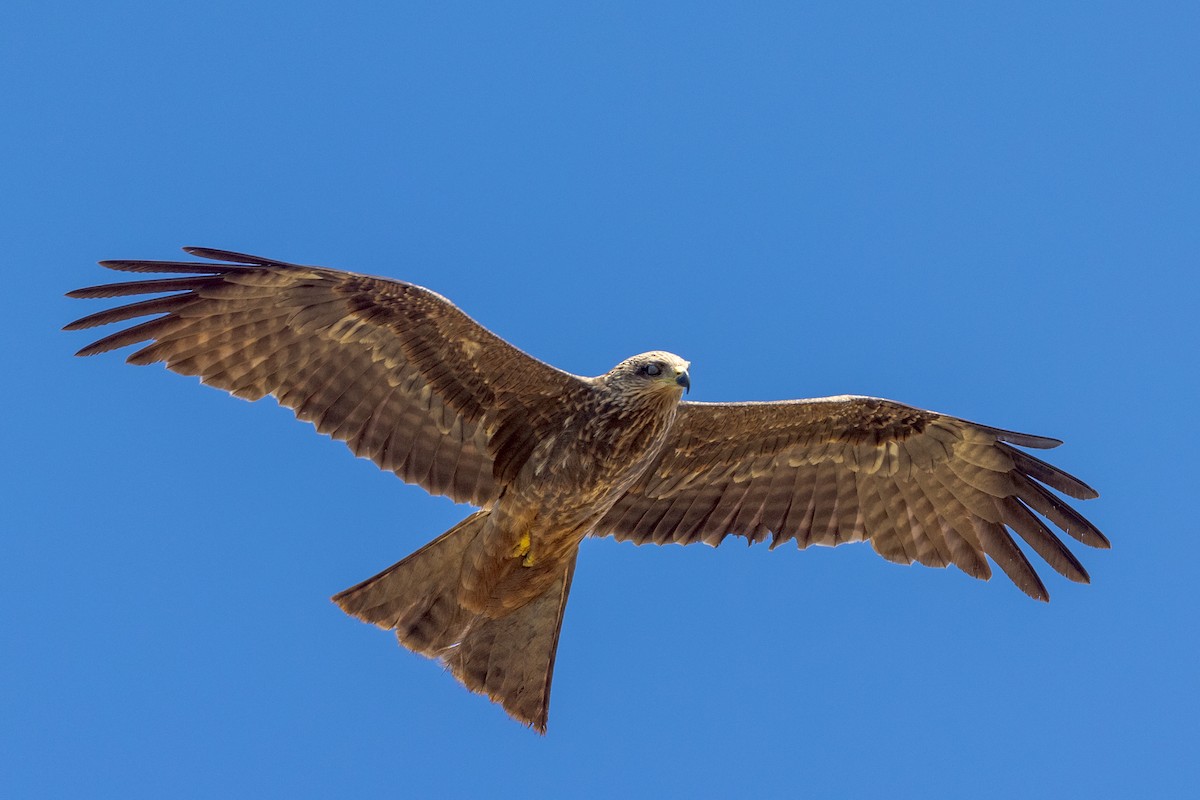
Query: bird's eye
x: 653, y: 370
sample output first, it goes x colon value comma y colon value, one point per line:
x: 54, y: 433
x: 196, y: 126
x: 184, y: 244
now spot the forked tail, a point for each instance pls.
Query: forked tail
x: 509, y: 658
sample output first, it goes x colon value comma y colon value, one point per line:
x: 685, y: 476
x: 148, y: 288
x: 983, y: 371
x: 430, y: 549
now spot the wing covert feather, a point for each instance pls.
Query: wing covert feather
x: 920, y: 486
x: 394, y: 370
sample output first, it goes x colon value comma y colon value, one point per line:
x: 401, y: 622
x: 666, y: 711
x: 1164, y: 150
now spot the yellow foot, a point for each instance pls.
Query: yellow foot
x: 522, y: 550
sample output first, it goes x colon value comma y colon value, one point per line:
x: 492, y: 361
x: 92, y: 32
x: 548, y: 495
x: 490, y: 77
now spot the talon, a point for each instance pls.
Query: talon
x: 521, y: 550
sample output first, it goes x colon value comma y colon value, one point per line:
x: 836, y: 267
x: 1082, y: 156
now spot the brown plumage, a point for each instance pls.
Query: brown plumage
x: 409, y: 381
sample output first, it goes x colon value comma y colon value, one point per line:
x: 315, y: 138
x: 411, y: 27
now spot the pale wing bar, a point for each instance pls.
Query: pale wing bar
x: 920, y: 486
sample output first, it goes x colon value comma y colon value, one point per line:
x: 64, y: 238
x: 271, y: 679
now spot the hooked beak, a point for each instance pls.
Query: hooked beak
x: 683, y: 380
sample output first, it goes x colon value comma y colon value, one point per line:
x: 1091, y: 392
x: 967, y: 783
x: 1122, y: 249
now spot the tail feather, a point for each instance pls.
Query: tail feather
x: 418, y: 597
x: 511, y: 658
x: 508, y: 657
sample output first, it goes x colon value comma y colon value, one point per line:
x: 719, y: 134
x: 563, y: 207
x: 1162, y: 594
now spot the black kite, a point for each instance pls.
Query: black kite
x: 409, y: 381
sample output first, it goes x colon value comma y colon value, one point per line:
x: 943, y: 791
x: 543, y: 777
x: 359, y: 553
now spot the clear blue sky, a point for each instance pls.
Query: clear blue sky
x: 986, y: 210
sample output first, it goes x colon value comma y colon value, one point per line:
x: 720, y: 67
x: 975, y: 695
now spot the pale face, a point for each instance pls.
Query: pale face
x: 654, y: 371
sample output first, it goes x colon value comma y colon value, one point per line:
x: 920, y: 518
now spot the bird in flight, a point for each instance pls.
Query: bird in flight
x: 406, y: 379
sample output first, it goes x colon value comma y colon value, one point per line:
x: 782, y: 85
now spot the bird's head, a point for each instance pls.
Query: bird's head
x: 656, y: 372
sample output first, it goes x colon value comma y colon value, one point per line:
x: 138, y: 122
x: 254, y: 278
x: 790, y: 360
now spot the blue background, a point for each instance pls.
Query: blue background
x: 987, y: 210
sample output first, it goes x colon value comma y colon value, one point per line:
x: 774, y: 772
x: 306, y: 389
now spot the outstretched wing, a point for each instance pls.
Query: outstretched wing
x: 920, y: 486
x: 392, y: 369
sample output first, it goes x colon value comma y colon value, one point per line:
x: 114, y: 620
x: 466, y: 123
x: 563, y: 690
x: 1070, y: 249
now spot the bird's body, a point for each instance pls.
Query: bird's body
x: 569, y: 482
x: 409, y: 381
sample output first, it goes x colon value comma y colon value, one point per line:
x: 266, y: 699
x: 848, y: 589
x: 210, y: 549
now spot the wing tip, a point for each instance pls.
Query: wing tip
x: 1034, y: 587
x: 91, y: 350
x: 235, y: 258
x: 229, y: 256
x: 200, y: 252
x: 1027, y: 439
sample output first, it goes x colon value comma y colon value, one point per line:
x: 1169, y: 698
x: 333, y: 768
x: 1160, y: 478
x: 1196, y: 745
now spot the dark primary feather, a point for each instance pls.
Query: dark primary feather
x: 920, y: 486
x: 394, y: 370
